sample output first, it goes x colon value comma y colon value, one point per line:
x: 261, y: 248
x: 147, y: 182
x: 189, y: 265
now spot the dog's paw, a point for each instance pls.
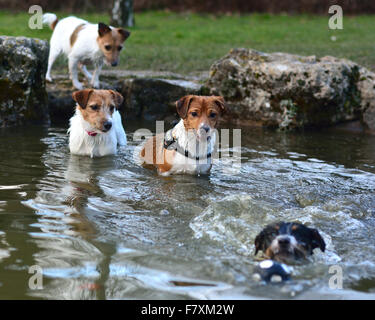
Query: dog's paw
x: 48, y: 78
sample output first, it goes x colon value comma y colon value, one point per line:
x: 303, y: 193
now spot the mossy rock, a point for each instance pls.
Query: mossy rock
x: 322, y: 92
x: 23, y: 97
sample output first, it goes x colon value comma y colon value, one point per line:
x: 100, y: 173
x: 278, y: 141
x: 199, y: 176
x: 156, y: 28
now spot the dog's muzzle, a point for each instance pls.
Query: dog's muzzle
x: 107, y: 126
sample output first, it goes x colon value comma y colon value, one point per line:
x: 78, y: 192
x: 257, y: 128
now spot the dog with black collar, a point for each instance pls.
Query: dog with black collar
x: 188, y: 147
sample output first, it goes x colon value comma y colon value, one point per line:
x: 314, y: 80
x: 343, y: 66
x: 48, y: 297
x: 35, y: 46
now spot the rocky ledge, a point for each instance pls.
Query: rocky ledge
x: 148, y: 98
x: 278, y: 90
x: 23, y: 97
x: 289, y: 91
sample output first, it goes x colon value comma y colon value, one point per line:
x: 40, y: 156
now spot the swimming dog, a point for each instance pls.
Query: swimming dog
x: 96, y: 128
x: 188, y: 147
x: 288, y: 241
x: 84, y: 42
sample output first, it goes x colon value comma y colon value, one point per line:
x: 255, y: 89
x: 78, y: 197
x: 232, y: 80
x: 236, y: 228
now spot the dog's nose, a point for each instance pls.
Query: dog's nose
x: 206, y: 128
x: 284, y: 241
x: 114, y: 64
x: 107, y: 125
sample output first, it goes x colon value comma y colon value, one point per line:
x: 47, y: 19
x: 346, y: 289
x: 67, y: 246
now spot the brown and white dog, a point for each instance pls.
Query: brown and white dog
x: 96, y: 128
x: 188, y: 147
x: 84, y: 42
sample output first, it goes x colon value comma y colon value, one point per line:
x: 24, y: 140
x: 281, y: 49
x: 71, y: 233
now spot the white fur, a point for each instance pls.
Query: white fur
x: 81, y: 143
x: 84, y: 49
x: 188, y: 140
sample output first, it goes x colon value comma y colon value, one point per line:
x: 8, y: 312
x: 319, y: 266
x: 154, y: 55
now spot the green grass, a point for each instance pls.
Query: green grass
x: 187, y: 42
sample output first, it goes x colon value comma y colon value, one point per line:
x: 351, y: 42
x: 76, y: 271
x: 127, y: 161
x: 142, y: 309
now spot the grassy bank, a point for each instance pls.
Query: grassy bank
x: 190, y: 42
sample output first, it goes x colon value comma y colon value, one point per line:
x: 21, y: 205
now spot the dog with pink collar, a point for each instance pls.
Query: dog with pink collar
x: 96, y: 128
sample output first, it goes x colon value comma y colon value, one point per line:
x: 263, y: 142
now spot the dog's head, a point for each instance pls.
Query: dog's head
x: 97, y: 107
x: 288, y: 241
x: 110, y: 41
x: 201, y: 113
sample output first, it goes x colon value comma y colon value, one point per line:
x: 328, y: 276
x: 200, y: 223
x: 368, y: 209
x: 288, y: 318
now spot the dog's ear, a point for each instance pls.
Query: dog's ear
x: 124, y: 33
x: 103, y: 29
x: 260, y: 242
x: 219, y: 101
x: 82, y: 97
x: 183, y: 104
x: 317, y: 240
x: 117, y: 97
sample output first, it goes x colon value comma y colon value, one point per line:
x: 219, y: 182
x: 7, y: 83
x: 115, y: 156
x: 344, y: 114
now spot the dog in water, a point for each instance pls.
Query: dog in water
x: 96, y: 128
x: 84, y: 42
x: 188, y: 147
x: 288, y: 241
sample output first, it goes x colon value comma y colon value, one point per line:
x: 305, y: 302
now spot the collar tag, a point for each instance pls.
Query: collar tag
x: 170, y: 142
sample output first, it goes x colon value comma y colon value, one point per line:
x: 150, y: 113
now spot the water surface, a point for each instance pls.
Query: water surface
x: 109, y: 229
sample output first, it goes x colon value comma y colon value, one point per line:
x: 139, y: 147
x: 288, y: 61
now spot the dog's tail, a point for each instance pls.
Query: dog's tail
x: 50, y: 19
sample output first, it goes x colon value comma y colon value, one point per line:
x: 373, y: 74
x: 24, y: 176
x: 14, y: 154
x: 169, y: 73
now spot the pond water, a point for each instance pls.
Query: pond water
x: 109, y: 229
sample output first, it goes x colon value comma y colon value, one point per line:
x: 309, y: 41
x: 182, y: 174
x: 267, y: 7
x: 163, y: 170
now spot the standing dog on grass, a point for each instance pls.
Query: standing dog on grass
x: 84, y: 42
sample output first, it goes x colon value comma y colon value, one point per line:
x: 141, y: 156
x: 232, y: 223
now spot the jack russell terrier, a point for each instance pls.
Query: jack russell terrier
x: 83, y: 42
x: 188, y: 147
x: 96, y: 128
x: 288, y: 241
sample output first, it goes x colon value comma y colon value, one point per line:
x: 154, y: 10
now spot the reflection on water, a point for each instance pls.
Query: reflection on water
x: 109, y: 229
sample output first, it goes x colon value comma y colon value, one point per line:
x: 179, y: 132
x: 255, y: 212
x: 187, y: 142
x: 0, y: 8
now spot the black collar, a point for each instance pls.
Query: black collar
x: 170, y: 143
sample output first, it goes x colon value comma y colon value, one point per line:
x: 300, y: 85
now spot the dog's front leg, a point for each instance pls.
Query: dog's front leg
x: 86, y: 73
x: 95, y: 77
x: 73, y: 70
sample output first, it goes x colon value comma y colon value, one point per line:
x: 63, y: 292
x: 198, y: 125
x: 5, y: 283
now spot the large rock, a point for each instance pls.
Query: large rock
x: 23, y: 97
x: 289, y: 91
x: 366, y: 86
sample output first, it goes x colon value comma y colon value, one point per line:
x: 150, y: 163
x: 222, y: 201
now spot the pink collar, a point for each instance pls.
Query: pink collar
x: 91, y: 133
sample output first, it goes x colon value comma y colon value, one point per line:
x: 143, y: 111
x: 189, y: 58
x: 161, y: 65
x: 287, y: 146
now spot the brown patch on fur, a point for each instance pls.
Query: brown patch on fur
x: 74, y: 35
x: 117, y: 97
x: 53, y: 25
x: 124, y: 33
x: 201, y: 110
x: 82, y: 96
x: 294, y: 227
x: 269, y: 253
x: 110, y: 42
x: 96, y: 106
x: 154, y: 155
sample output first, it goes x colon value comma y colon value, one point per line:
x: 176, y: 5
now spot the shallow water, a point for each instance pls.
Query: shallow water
x: 108, y: 229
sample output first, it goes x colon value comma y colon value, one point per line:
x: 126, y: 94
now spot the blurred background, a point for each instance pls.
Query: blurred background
x: 217, y: 6
x: 188, y: 36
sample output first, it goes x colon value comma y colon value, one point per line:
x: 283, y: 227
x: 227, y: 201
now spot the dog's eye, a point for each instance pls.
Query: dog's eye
x: 108, y: 47
x: 94, y: 107
x: 213, y: 115
x: 194, y: 114
x: 119, y: 48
